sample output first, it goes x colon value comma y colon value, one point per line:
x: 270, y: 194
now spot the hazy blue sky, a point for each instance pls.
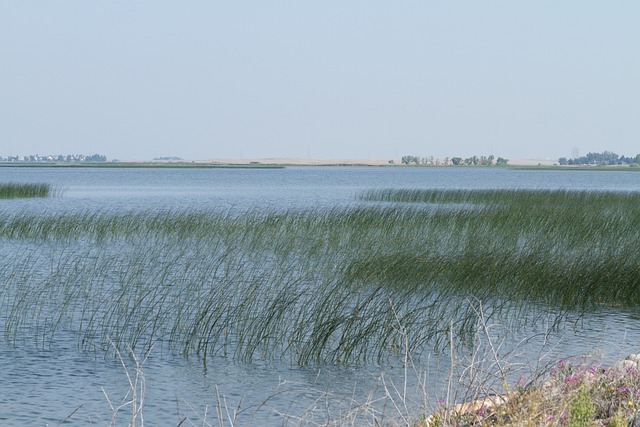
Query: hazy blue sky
x: 322, y: 79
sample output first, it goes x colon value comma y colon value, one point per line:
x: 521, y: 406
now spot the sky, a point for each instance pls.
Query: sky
x: 331, y: 79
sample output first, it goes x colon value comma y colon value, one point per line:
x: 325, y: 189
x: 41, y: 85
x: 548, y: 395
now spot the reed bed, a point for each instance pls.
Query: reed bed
x: 344, y: 285
x: 15, y: 190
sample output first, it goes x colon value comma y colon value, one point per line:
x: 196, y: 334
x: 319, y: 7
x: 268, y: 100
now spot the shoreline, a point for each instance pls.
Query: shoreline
x: 256, y: 162
x: 280, y: 163
x: 299, y: 161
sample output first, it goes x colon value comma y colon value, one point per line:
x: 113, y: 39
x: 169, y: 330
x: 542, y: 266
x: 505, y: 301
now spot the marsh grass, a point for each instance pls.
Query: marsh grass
x: 320, y: 286
x: 573, y: 249
x: 15, y: 190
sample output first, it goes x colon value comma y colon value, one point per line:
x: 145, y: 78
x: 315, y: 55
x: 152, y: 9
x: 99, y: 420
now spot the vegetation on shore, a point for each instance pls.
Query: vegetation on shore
x: 456, y: 161
x: 57, y: 158
x: 140, y: 165
x: 606, y: 158
x: 573, y: 393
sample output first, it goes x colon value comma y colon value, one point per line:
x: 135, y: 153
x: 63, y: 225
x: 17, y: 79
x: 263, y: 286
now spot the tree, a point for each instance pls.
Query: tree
x: 410, y: 159
x: 486, y: 161
x: 602, y: 159
x: 472, y: 161
x: 96, y: 158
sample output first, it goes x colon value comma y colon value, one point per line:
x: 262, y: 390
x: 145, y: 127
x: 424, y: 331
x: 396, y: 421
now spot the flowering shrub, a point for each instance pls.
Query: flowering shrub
x: 570, y: 395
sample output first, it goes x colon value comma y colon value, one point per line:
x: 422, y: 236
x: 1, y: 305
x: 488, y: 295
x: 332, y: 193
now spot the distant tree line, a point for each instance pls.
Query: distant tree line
x: 56, y: 158
x: 456, y: 161
x: 604, y: 158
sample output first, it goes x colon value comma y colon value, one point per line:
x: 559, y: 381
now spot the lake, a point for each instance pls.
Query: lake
x: 58, y: 382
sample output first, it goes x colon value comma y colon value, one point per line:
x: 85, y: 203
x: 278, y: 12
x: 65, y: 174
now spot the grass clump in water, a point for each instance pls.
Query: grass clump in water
x: 14, y: 190
x: 569, y: 249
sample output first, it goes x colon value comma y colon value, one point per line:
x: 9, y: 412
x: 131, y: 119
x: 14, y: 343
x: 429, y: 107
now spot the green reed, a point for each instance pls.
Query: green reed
x: 339, y: 285
x: 568, y: 248
x: 15, y: 190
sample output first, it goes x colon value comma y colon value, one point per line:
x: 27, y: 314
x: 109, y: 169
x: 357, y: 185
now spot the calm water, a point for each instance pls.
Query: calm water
x: 45, y: 386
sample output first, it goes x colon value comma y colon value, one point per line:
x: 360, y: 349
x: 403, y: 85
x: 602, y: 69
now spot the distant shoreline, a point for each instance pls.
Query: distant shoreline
x: 279, y: 163
x: 137, y: 165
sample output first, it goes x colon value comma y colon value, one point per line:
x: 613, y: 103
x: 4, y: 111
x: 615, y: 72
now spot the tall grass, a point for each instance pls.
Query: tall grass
x: 319, y: 286
x: 15, y: 190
